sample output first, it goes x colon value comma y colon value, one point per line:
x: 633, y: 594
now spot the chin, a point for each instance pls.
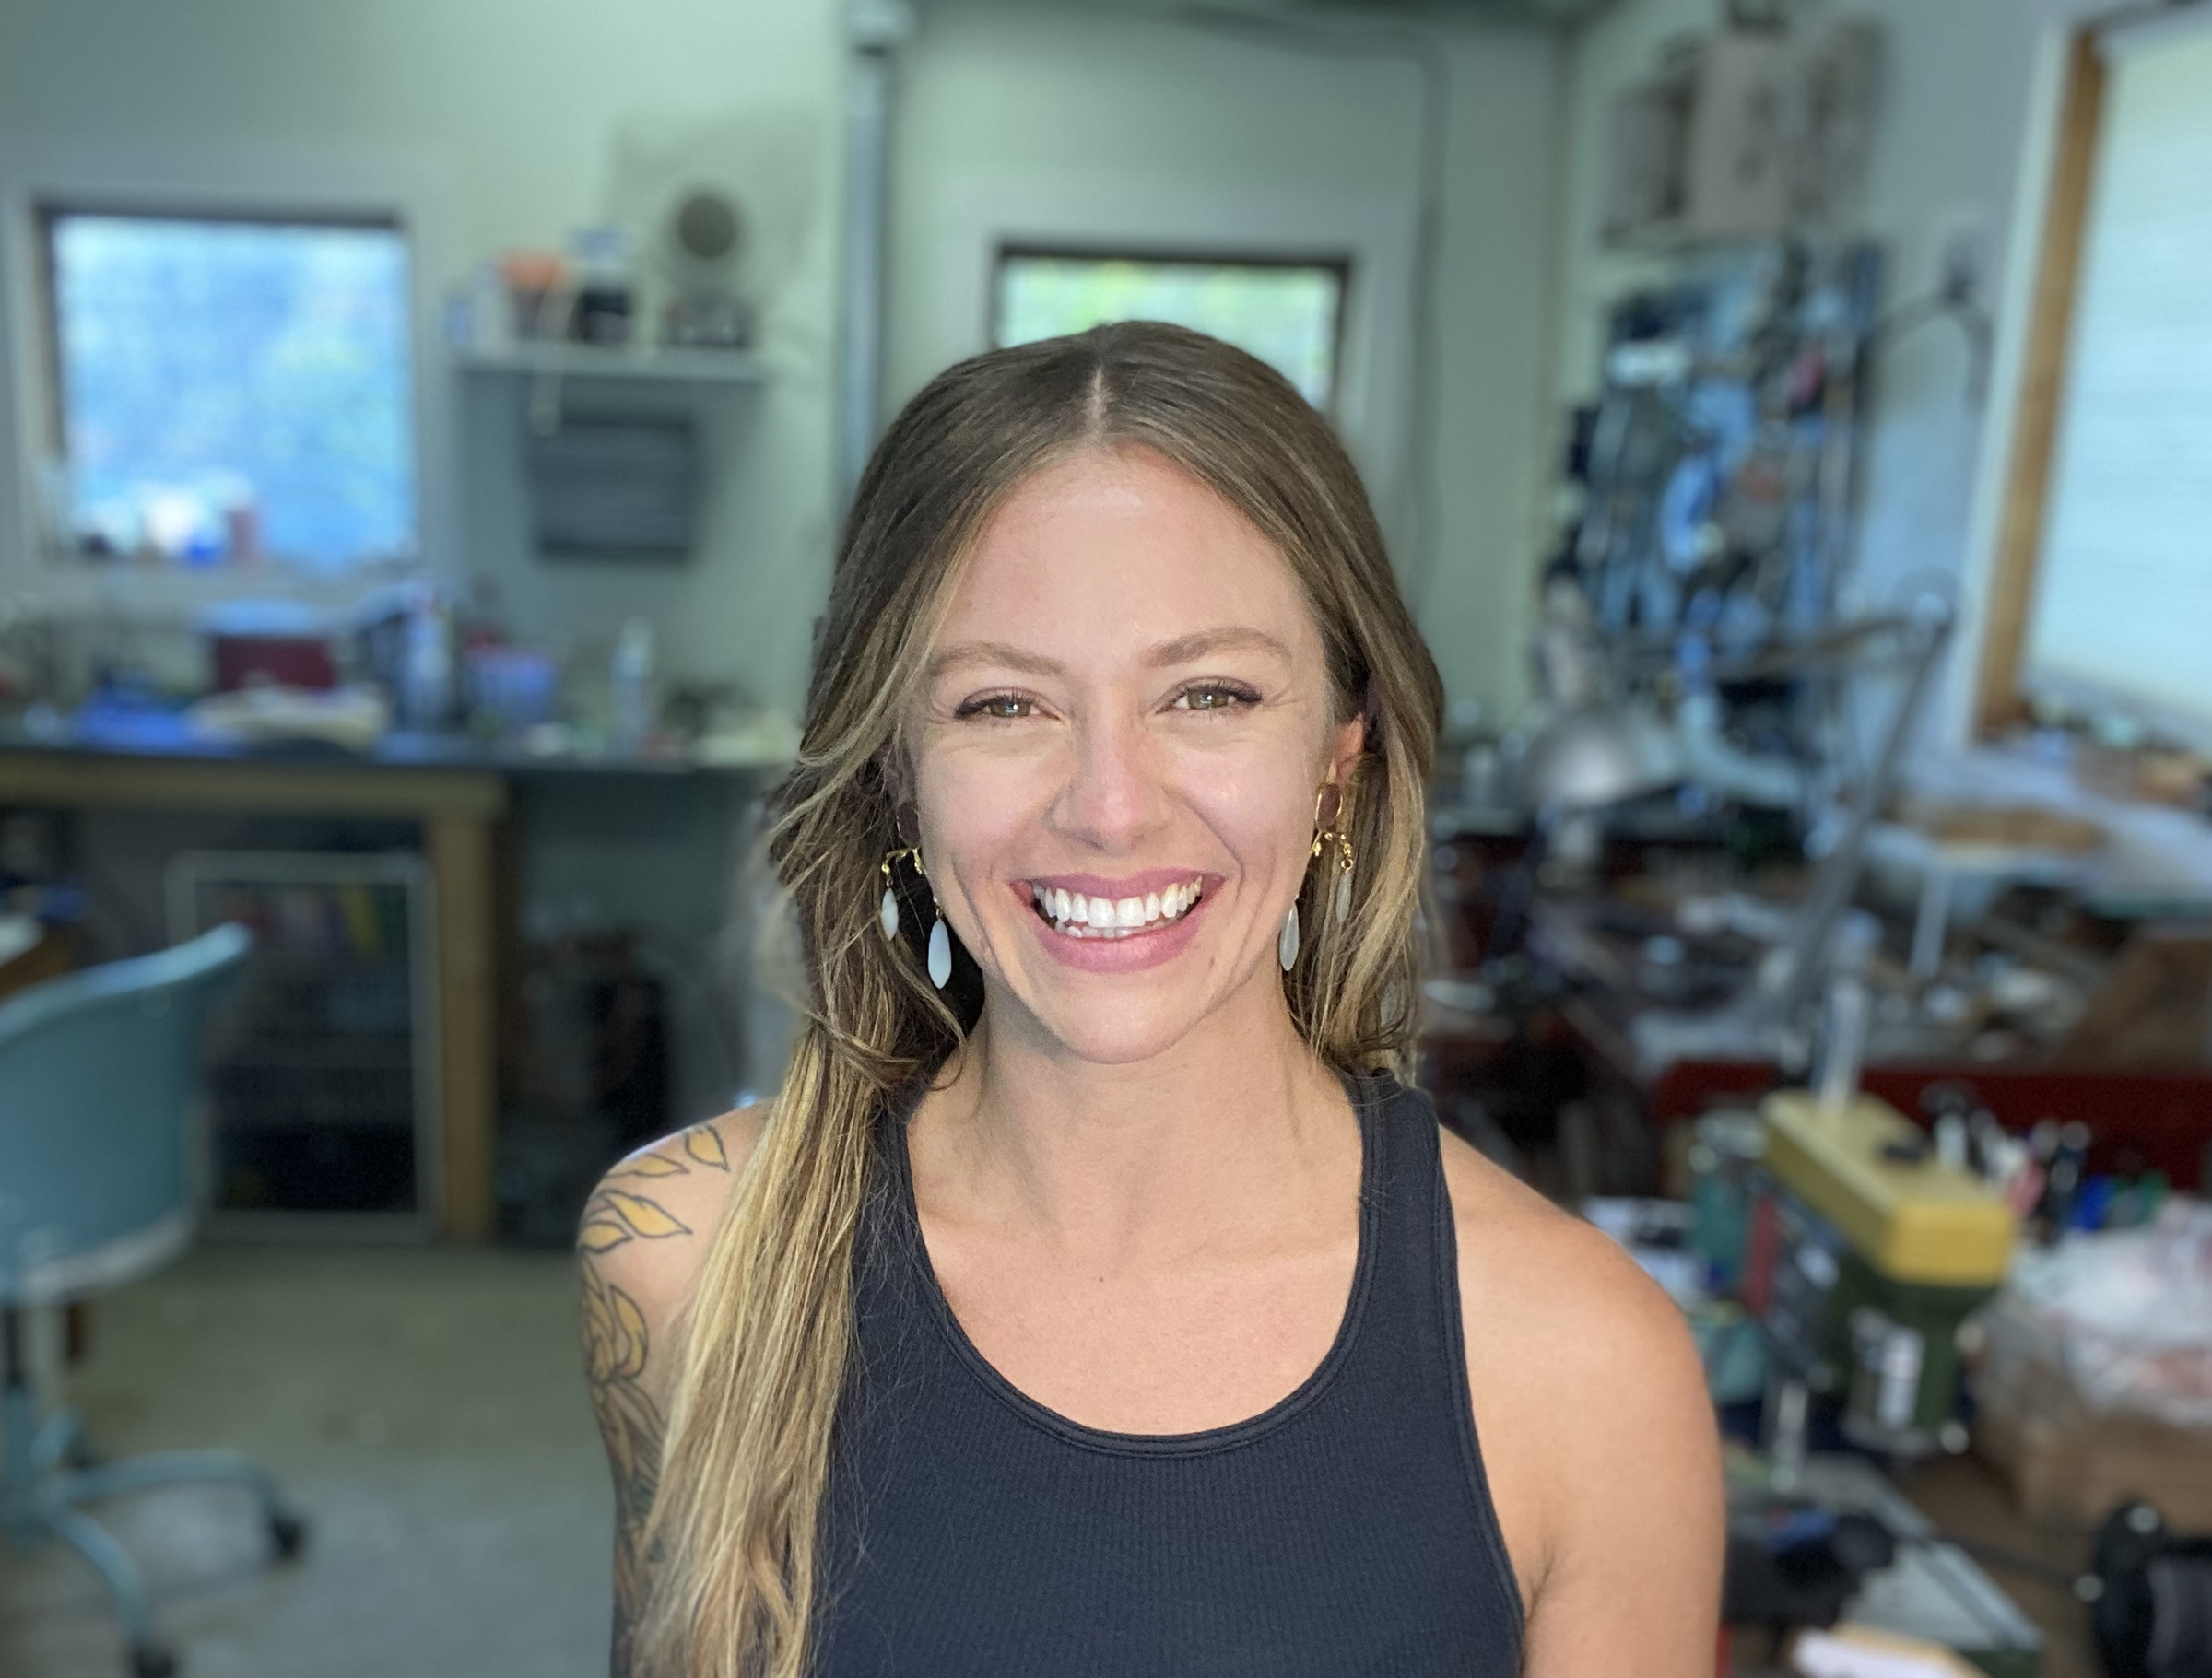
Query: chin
x: 1126, y: 1035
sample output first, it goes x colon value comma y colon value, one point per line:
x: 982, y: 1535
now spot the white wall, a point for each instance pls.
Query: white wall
x: 1962, y: 140
x: 996, y: 104
x: 498, y: 114
x: 504, y: 109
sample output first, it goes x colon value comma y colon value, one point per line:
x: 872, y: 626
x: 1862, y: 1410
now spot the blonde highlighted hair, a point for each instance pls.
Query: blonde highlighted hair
x: 734, y: 1531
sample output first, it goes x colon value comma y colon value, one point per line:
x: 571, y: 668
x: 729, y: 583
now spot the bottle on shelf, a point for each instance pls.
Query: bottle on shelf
x: 630, y: 688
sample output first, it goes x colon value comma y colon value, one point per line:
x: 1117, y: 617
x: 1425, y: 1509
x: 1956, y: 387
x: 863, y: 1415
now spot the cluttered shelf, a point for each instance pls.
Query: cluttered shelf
x: 550, y: 358
x: 273, y: 729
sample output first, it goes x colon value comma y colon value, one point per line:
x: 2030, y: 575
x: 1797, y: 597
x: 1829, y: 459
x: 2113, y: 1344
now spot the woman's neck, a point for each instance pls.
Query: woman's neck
x: 1215, y: 1138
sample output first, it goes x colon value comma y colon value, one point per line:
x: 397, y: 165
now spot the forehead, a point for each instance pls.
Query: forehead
x: 1113, y: 550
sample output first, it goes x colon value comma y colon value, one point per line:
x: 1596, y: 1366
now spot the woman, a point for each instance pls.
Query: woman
x: 1090, y: 1299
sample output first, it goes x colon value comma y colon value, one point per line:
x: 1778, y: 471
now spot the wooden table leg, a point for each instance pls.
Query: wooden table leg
x: 460, y: 850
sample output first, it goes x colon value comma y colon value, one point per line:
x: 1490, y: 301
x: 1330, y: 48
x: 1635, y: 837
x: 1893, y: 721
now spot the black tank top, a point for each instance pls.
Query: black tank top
x: 971, y: 1532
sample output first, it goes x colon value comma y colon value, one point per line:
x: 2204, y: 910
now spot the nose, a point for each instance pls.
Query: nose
x: 1113, y: 796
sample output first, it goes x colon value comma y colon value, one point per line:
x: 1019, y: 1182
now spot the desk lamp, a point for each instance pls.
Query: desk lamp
x: 1589, y: 756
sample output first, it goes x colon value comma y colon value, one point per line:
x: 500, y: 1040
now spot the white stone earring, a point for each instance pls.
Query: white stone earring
x: 888, y: 917
x: 940, y: 952
x: 940, y: 936
x: 1285, y: 941
x: 1331, y: 836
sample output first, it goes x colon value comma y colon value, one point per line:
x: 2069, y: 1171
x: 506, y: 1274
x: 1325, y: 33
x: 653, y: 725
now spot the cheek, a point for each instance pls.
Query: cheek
x: 1261, y: 808
x: 974, y: 804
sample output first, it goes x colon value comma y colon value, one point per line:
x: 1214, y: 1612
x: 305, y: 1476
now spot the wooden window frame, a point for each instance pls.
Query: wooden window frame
x: 1999, y: 702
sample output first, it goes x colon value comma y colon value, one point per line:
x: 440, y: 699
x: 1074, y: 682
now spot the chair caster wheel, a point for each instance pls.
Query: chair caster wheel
x: 288, y: 1536
x: 148, y: 1662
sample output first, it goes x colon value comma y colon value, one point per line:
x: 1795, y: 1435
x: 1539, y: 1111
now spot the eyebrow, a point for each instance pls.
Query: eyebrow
x: 1182, y: 650
x: 992, y: 652
x: 1185, y: 648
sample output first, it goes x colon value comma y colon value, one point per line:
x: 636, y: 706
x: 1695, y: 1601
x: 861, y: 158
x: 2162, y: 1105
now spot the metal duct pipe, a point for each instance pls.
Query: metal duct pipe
x: 875, y: 29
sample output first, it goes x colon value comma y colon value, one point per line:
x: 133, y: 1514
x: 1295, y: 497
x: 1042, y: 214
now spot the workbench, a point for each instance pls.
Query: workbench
x: 457, y: 791
x: 1561, y: 1056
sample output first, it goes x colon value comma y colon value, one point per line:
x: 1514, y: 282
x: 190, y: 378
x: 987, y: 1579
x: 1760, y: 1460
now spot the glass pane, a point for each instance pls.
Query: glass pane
x: 1284, y: 313
x: 235, y: 390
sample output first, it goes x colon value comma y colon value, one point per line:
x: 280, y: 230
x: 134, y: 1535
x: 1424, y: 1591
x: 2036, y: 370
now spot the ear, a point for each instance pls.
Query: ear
x: 1347, y: 746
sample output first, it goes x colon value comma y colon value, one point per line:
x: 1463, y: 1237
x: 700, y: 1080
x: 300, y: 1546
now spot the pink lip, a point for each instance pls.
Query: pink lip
x: 1134, y: 953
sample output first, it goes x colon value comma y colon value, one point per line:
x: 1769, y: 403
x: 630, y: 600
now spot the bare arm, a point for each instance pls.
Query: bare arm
x: 1598, y: 1440
x: 617, y: 1348
x: 1632, y: 1587
x: 640, y: 1241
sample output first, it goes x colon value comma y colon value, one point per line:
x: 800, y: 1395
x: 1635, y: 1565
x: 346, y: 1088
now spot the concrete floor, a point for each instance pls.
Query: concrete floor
x: 1968, y: 1499
x: 423, y: 1407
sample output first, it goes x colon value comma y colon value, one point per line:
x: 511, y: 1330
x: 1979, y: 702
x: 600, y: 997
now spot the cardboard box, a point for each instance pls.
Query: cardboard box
x: 2069, y: 1465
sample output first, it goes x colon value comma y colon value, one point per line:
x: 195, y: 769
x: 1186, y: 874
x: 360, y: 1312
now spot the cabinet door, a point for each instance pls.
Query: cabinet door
x: 319, y: 1075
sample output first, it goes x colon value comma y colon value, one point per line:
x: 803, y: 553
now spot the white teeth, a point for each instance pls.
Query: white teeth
x: 1077, y: 916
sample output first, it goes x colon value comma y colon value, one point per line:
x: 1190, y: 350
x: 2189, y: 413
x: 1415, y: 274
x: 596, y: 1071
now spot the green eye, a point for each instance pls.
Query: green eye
x: 1007, y: 707
x: 1214, y: 696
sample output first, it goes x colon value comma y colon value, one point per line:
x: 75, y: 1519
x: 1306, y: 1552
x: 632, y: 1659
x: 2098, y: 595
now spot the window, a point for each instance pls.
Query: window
x: 2102, y: 595
x: 228, y: 391
x: 1288, y: 314
x: 2124, y: 607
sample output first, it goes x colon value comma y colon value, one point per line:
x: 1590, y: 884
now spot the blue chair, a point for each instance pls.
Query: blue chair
x: 99, y: 1157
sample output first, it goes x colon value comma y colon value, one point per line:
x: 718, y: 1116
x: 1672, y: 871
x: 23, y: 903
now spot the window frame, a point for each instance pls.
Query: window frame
x: 1998, y: 700
x: 49, y: 575
x: 47, y: 210
x: 1340, y: 263
x: 942, y: 310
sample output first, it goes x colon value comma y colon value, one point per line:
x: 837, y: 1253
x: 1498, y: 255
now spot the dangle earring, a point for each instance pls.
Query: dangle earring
x: 940, y: 952
x: 887, y: 918
x: 940, y: 936
x: 1325, y: 835
x: 1341, y: 905
x: 1331, y: 835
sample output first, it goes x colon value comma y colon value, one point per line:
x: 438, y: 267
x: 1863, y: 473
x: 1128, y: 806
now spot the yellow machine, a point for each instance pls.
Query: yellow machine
x: 1863, y: 1255
x: 1862, y: 1167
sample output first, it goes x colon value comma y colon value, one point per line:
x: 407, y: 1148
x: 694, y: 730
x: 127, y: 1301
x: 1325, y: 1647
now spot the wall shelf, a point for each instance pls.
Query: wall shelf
x: 559, y: 360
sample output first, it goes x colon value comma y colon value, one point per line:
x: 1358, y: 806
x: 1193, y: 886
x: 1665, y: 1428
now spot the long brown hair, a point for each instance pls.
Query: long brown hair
x: 735, y: 1529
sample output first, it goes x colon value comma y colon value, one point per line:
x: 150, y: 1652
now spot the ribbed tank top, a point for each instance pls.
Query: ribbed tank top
x: 971, y: 1532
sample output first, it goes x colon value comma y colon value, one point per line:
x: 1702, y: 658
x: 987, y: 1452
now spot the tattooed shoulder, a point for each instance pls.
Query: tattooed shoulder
x: 676, y: 1186
x: 641, y: 1239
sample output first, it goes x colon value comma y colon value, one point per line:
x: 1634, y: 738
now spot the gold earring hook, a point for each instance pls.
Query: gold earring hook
x: 1328, y: 831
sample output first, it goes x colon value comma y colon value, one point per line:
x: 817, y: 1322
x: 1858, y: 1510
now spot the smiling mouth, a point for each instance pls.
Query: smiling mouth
x: 1072, y: 915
